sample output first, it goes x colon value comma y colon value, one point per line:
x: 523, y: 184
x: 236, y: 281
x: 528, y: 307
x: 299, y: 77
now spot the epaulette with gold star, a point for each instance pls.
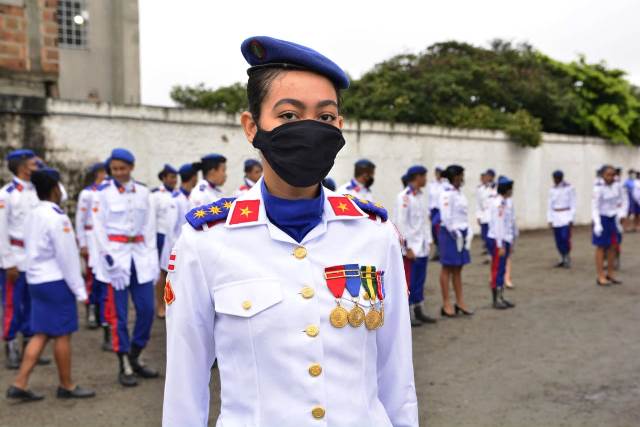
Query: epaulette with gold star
x: 371, y: 208
x: 210, y: 214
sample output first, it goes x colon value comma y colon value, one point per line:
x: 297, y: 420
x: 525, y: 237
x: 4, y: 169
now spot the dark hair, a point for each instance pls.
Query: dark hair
x: 209, y: 164
x: 248, y: 168
x: 452, y: 171
x: 360, y: 170
x: 504, y: 188
x: 405, y: 180
x: 44, y: 184
x: 163, y: 173
x: 186, y: 176
x: 258, y: 86
x: 14, y: 164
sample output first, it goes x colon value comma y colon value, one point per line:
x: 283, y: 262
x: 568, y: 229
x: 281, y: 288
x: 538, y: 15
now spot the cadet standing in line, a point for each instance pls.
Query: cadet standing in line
x: 455, y: 240
x: 502, y: 232
x: 608, y: 207
x: 125, y: 232
x: 360, y: 185
x: 252, y: 173
x: 561, y: 213
x: 55, y: 283
x: 485, y: 193
x: 214, y: 175
x: 410, y: 216
x: 274, y: 281
x: 632, y: 221
x: 434, y: 189
x: 17, y: 199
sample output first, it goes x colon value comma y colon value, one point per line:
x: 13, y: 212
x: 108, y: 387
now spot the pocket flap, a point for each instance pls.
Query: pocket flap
x: 247, y: 298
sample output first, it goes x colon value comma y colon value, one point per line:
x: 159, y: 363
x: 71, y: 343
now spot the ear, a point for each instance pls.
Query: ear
x: 340, y: 122
x: 249, y: 126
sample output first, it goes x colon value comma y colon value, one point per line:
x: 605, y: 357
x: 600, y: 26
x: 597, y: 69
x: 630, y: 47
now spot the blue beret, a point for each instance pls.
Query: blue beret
x: 22, y: 153
x: 490, y: 172
x: 95, y: 167
x: 416, y: 170
x: 558, y: 174
x: 365, y: 163
x: 262, y: 51
x: 168, y: 169
x: 48, y: 171
x: 213, y: 157
x: 186, y: 168
x: 503, y: 180
x: 249, y: 163
x: 122, y: 154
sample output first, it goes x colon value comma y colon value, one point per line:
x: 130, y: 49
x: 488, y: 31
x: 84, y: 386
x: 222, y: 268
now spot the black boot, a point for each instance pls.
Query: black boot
x: 12, y: 360
x: 412, y: 316
x: 498, y: 304
x: 92, y: 319
x: 421, y: 316
x: 125, y: 376
x: 138, y: 365
x: 504, y: 301
x: 106, y: 340
x: 42, y: 361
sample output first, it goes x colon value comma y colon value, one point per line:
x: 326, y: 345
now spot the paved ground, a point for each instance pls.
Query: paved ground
x: 567, y: 355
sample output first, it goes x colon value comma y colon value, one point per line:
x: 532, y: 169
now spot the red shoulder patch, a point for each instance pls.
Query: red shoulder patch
x: 343, y: 206
x: 169, y: 296
x: 245, y: 211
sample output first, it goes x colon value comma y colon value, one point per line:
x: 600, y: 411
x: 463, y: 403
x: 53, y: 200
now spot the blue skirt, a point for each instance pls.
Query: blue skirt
x: 53, y: 309
x: 610, y: 235
x: 450, y: 256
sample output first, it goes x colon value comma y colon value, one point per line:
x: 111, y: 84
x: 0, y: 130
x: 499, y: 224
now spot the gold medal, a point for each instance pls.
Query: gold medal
x: 356, y: 316
x: 381, y: 315
x: 373, y: 319
x: 338, y: 317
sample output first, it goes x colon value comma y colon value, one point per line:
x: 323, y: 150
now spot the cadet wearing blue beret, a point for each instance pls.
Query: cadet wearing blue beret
x: 360, y: 185
x: 214, y: 175
x: 252, y: 173
x: 561, y: 212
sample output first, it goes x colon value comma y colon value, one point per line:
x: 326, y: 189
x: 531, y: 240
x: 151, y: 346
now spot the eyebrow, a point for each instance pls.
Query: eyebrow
x: 298, y: 104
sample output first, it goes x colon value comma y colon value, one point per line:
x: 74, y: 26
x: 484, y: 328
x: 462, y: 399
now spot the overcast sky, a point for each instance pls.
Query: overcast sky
x: 193, y: 41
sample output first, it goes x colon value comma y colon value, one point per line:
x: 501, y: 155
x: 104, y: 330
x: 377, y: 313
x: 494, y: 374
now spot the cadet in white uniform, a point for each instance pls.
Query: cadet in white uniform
x: 485, y: 193
x: 17, y: 199
x: 125, y: 231
x: 433, y: 189
x: 561, y: 213
x: 360, y: 185
x: 411, y: 217
x: 214, y: 175
x: 55, y: 283
x: 252, y: 173
x: 273, y: 282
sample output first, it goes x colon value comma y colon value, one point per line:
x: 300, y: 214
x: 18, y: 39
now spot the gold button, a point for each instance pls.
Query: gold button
x: 366, y: 296
x: 246, y: 305
x: 312, y: 330
x: 315, y: 370
x: 317, y: 412
x: 300, y: 252
x: 307, y: 292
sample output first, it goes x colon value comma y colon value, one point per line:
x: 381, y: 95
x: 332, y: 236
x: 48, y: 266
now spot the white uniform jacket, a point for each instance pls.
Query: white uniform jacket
x: 205, y: 193
x: 180, y: 206
x: 248, y: 185
x: 84, y: 222
x: 608, y: 200
x: 485, y: 193
x: 561, y: 209
x: 121, y: 212
x: 411, y: 216
x: 502, y: 224
x: 161, y: 198
x: 17, y: 199
x: 51, y: 249
x: 433, y: 189
x: 355, y: 189
x: 241, y: 296
x: 453, y: 208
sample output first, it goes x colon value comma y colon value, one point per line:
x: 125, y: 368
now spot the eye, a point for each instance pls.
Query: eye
x: 326, y: 117
x: 288, y: 116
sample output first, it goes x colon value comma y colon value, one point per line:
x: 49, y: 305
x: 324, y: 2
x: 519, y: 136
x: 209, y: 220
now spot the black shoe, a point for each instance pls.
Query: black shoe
x: 127, y: 380
x: 77, y: 393
x: 106, y: 339
x: 614, y: 281
x: 561, y: 264
x: 14, y: 392
x: 138, y: 365
x: 498, y: 303
x: 443, y: 313
x: 421, y: 316
x: 12, y: 360
x: 125, y: 376
x: 501, y: 298
x: 461, y: 310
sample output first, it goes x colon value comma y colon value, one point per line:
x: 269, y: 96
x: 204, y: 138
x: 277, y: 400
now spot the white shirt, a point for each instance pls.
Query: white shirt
x: 127, y: 213
x: 561, y: 209
x: 485, y: 193
x: 179, y: 208
x: 161, y: 200
x: 84, y: 223
x: 434, y: 188
x: 205, y: 193
x: 608, y: 200
x: 355, y: 189
x: 502, y: 224
x: 17, y: 199
x: 248, y: 185
x: 263, y: 352
x: 453, y: 208
x: 51, y: 249
x: 410, y: 216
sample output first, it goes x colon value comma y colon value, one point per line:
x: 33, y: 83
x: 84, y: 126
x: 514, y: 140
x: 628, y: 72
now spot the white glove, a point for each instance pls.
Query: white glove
x: 459, y: 240
x: 468, y: 240
x: 118, y: 278
x: 619, y: 225
x: 597, y: 229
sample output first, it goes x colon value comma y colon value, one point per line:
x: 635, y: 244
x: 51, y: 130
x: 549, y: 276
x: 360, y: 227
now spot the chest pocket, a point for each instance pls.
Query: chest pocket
x: 247, y: 298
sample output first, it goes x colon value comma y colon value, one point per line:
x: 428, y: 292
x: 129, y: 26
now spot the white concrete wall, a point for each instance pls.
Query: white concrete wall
x: 85, y: 132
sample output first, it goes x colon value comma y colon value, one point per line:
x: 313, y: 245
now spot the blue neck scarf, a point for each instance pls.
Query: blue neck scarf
x: 294, y: 217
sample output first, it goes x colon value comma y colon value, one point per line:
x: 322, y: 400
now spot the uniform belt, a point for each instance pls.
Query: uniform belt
x: 125, y: 239
x: 561, y: 209
x: 16, y: 242
x: 88, y: 227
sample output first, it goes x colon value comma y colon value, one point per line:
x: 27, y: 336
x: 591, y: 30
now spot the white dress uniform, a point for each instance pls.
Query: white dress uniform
x: 205, y: 193
x: 454, y: 208
x: 246, y: 293
x: 411, y: 216
x: 608, y: 201
x: 433, y: 189
x: 161, y: 198
x: 485, y: 193
x: 51, y: 249
x: 121, y: 212
x: 84, y: 222
x: 502, y: 224
x: 179, y: 209
x: 355, y: 189
x: 17, y: 199
x: 561, y: 208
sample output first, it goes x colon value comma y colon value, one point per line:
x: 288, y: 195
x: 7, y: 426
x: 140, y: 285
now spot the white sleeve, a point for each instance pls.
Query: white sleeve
x: 549, y: 206
x: 149, y: 230
x: 68, y: 257
x: 190, y: 344
x: 479, y: 204
x: 572, y: 203
x: 7, y: 259
x: 497, y: 219
x: 396, y: 385
x: 98, y: 216
x: 83, y: 210
x: 595, y: 211
x: 624, y: 205
x: 446, y: 208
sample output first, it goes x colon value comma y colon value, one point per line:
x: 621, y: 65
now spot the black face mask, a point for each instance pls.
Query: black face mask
x: 369, y: 182
x: 302, y: 152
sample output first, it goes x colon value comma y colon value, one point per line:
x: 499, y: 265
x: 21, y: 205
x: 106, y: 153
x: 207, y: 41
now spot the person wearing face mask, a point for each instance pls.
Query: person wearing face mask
x: 252, y: 173
x: 455, y: 240
x: 360, y: 185
x: 214, y: 175
x: 275, y: 281
x: 17, y: 199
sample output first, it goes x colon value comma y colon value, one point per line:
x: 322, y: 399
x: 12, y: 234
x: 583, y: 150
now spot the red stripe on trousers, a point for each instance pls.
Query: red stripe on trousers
x: 495, y: 264
x: 8, y: 308
x: 112, y: 318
